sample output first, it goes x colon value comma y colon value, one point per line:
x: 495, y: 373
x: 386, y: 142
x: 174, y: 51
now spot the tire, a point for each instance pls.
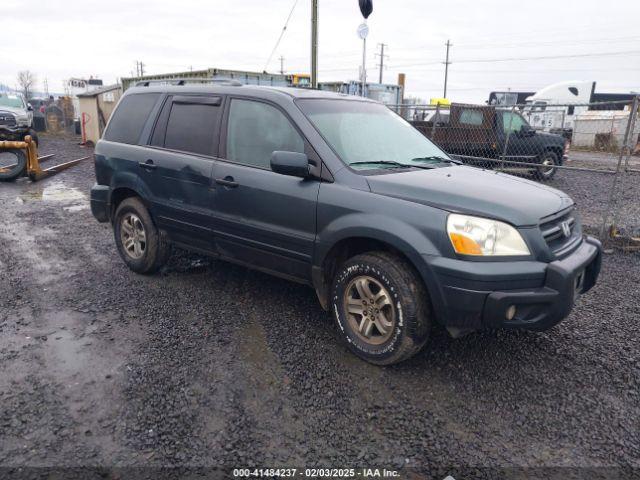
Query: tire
x: 407, y: 314
x: 551, y: 159
x: 140, y: 244
x: 9, y: 157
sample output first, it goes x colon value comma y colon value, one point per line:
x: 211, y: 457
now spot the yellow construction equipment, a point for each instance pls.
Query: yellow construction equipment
x: 28, y: 161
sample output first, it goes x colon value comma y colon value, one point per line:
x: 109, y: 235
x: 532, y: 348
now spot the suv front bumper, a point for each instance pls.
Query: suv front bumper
x: 529, y: 295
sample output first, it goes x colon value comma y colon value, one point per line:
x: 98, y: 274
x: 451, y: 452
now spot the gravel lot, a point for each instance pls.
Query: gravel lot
x: 209, y: 364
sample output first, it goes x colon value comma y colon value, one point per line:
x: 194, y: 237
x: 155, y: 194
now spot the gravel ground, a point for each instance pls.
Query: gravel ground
x: 592, y: 191
x: 209, y: 364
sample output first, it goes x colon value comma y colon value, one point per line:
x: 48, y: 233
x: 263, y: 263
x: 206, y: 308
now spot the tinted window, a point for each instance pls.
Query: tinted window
x: 129, y: 118
x: 256, y: 130
x: 471, y: 117
x: 192, y: 127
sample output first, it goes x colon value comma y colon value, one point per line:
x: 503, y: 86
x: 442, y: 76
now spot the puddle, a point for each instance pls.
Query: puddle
x: 76, y: 208
x: 57, y: 192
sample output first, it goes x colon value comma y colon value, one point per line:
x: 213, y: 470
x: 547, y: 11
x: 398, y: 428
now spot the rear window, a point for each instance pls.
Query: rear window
x: 130, y: 117
x: 471, y: 117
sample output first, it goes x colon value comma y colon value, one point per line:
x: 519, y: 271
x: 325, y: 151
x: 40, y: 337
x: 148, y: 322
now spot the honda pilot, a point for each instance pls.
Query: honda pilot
x: 339, y: 193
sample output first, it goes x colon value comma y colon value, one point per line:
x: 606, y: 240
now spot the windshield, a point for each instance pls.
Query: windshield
x: 8, y: 100
x: 369, y: 136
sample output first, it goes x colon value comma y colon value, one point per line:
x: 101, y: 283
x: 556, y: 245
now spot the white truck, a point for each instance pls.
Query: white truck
x: 16, y: 117
x: 555, y: 107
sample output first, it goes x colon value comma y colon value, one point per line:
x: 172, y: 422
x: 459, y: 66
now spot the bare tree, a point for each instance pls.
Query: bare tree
x: 27, y: 81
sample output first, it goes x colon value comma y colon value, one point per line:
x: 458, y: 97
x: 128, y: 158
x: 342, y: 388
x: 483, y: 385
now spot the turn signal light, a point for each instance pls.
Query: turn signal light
x: 464, y: 245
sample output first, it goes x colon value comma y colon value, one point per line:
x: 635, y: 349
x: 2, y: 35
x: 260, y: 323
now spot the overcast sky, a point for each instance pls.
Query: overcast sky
x: 58, y: 39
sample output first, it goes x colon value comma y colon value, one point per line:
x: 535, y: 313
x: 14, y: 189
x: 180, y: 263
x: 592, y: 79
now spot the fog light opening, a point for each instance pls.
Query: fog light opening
x: 511, y: 312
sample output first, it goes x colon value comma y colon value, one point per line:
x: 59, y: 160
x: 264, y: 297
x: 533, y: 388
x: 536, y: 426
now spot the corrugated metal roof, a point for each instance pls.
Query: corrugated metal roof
x: 98, y: 91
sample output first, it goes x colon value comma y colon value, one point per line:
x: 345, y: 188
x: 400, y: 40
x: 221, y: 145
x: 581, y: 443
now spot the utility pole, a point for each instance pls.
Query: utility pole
x: 281, y: 65
x: 46, y: 88
x: 364, y: 66
x: 139, y: 68
x: 446, y: 68
x: 382, y: 57
x: 314, y: 43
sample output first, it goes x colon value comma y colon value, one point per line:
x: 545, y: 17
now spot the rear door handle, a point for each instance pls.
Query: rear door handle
x: 148, y: 165
x: 227, y: 182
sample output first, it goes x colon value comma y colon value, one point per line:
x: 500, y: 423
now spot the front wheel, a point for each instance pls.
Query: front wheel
x: 548, y: 162
x: 381, y: 308
x: 139, y: 242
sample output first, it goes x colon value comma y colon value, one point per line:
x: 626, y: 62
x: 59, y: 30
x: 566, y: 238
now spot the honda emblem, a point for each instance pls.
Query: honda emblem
x: 566, y: 229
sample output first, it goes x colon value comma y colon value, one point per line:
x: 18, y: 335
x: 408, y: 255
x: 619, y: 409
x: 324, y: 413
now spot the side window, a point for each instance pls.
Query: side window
x: 129, y: 118
x: 256, y: 130
x: 471, y: 117
x: 512, y: 122
x: 188, y: 124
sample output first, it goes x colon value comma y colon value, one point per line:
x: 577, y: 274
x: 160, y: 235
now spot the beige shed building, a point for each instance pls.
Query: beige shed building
x: 96, y: 107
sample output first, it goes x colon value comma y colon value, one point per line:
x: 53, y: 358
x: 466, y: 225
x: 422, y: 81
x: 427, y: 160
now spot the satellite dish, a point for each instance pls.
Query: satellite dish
x: 366, y: 7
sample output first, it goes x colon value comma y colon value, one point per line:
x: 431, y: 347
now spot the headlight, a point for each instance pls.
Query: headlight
x: 484, y: 237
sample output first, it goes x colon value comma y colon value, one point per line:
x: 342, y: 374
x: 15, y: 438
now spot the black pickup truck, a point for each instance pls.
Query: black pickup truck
x: 491, y: 137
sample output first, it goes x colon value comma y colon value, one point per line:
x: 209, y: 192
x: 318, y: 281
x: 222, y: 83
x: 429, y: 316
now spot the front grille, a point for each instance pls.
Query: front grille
x: 560, y: 231
x: 7, y: 119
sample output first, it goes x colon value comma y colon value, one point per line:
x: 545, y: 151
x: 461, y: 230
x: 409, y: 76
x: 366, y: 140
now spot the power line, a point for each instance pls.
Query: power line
x: 517, y: 59
x: 284, y: 29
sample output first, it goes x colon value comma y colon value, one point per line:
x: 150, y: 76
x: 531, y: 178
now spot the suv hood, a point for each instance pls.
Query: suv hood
x: 463, y: 189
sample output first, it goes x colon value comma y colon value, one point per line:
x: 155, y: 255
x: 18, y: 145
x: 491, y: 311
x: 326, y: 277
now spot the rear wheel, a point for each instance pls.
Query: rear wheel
x: 381, y: 308
x: 139, y: 242
x: 548, y: 162
x: 13, y: 164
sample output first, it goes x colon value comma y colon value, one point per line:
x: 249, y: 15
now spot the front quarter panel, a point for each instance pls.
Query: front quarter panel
x: 344, y: 212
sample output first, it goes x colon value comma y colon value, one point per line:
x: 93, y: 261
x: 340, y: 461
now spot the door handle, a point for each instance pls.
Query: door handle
x: 148, y: 165
x: 227, y: 182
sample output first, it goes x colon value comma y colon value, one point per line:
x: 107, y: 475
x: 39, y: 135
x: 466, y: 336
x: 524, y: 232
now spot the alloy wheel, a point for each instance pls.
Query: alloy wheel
x: 133, y: 236
x: 370, y: 311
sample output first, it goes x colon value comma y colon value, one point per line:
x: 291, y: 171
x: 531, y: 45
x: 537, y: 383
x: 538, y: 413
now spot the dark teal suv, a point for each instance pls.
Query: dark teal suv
x: 339, y: 193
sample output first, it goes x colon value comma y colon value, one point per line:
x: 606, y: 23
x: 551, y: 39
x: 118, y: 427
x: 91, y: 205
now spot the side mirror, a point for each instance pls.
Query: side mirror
x: 290, y: 163
x: 29, y: 107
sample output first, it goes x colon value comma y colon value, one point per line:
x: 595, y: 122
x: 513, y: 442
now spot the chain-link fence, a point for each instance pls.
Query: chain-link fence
x: 590, y: 151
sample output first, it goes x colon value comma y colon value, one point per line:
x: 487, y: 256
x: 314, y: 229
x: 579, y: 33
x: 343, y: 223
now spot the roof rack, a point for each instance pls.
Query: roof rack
x: 185, y: 81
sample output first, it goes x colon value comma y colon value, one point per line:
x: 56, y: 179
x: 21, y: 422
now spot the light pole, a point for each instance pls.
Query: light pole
x: 366, y: 7
x: 314, y: 43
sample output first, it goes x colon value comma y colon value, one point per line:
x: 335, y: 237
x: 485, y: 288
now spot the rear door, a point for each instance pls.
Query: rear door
x: 263, y: 218
x: 179, y: 165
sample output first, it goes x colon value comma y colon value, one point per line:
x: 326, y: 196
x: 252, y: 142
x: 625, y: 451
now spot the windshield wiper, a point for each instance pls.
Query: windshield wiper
x: 436, y: 159
x: 383, y: 162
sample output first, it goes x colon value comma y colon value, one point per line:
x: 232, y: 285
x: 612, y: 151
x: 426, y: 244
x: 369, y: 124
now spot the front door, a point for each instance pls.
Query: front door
x: 263, y: 218
x: 521, y: 146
